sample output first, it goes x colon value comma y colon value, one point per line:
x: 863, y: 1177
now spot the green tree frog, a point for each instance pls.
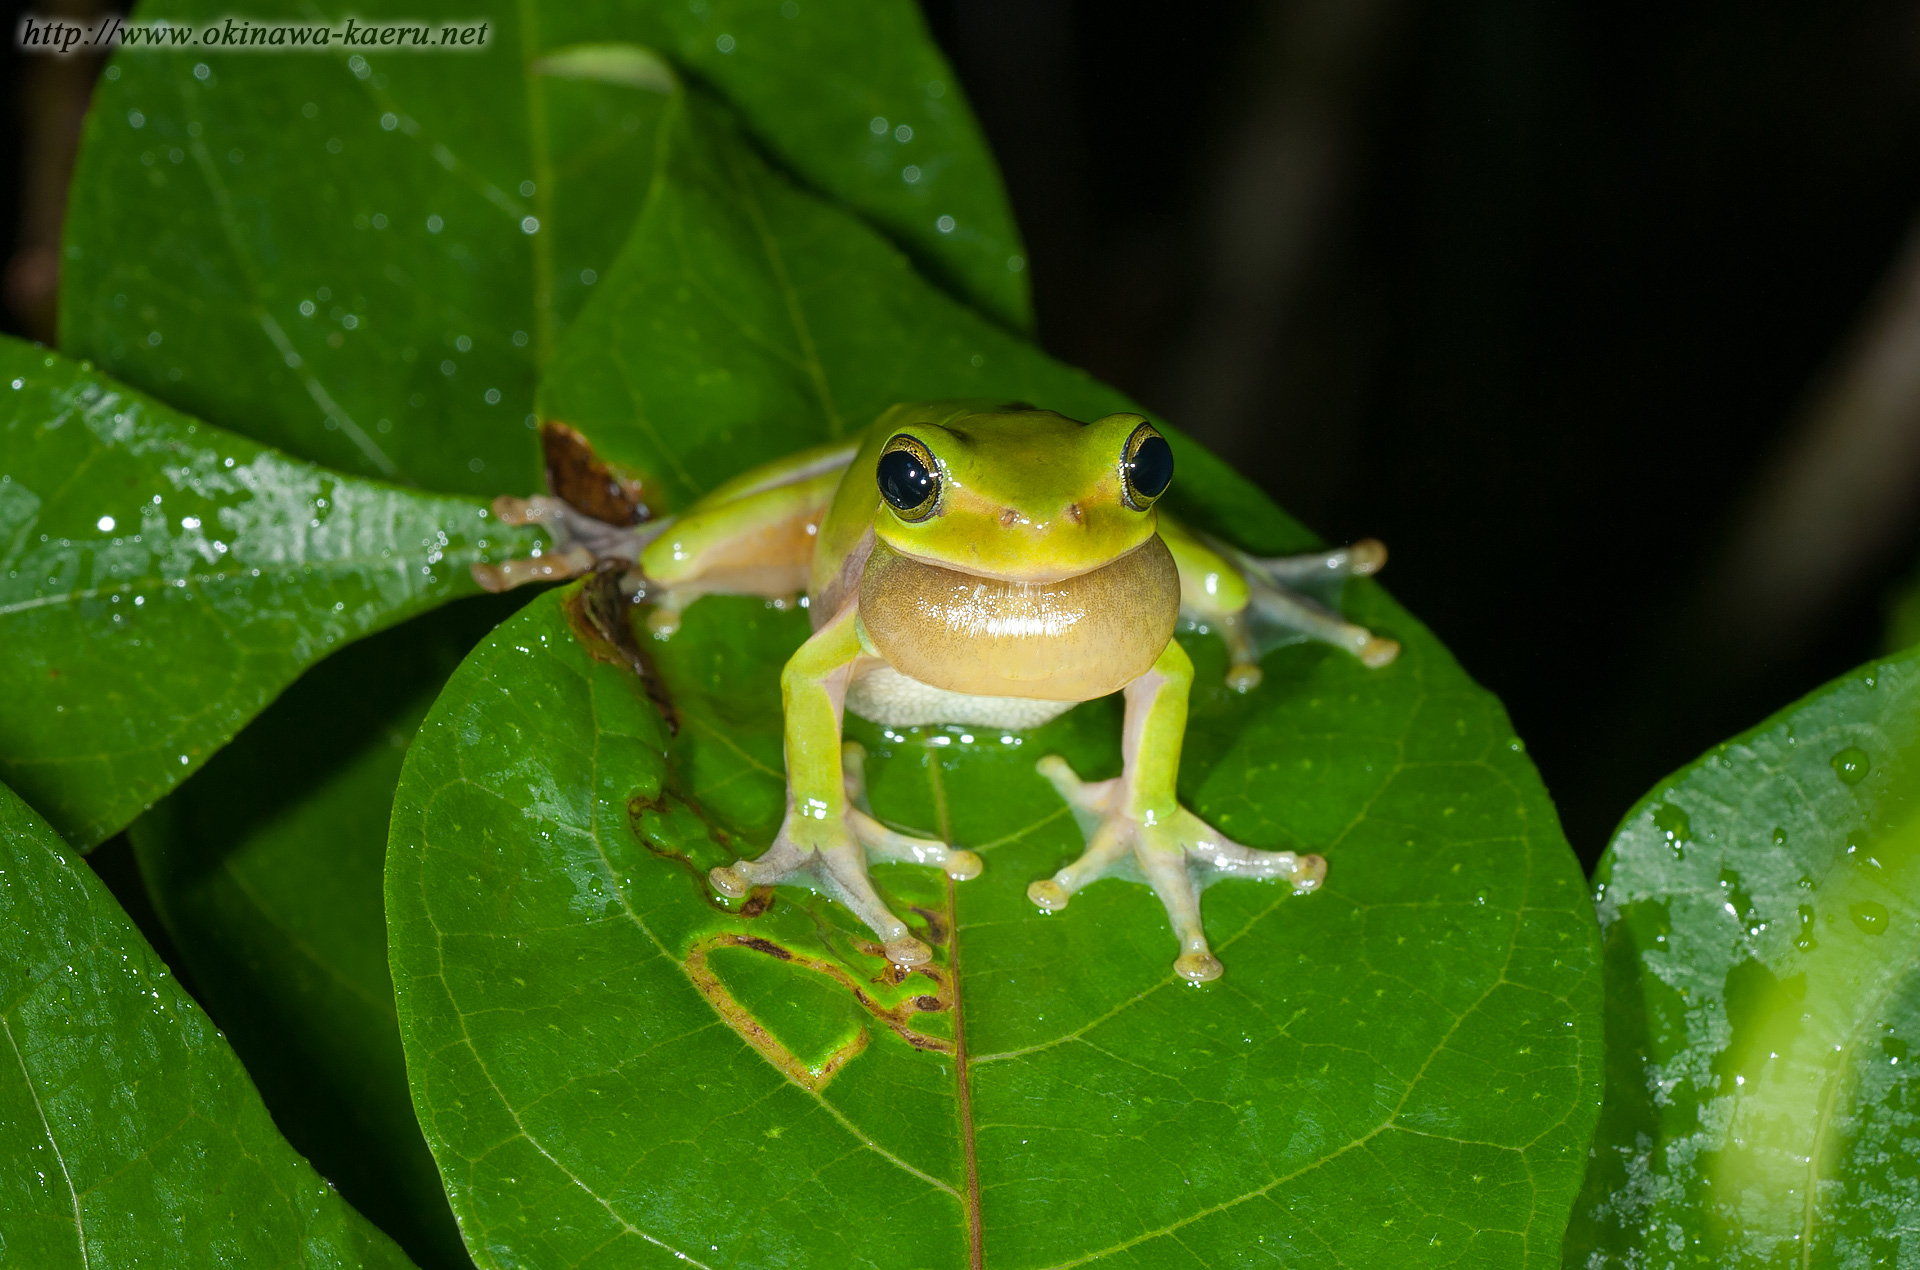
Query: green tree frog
x: 985, y: 564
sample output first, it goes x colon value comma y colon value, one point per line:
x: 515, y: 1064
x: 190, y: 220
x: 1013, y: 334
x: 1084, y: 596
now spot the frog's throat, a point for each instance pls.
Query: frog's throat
x: 1072, y: 640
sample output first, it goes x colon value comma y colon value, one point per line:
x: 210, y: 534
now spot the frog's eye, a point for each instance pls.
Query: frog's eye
x: 909, y: 479
x: 1146, y: 467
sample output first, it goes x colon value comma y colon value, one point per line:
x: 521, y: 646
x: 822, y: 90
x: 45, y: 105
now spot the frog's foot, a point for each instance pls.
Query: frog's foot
x: 836, y: 855
x: 1271, y: 595
x: 579, y: 542
x: 883, y: 843
x: 1166, y: 852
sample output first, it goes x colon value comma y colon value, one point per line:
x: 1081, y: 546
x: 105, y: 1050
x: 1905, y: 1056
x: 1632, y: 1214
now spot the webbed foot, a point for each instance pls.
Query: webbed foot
x: 1166, y: 852
x: 835, y: 854
x: 1273, y: 596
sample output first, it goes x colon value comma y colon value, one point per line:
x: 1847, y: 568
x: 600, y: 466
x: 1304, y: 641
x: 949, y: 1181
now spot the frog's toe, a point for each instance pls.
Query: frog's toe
x: 554, y: 566
x: 882, y: 843
x: 1305, y: 872
x: 963, y: 866
x: 1049, y: 895
x: 727, y: 880
x: 1094, y: 798
x: 1378, y: 652
x: 1198, y: 967
x: 908, y: 951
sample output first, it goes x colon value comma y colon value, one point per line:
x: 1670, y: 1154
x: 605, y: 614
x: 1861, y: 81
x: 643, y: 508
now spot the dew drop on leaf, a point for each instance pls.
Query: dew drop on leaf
x: 1869, y: 916
x: 1851, y: 764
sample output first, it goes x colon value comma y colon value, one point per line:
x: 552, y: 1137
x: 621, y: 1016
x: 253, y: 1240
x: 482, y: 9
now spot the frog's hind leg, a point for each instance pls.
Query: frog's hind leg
x: 579, y: 541
x: 887, y: 845
x: 1362, y: 559
x: 1292, y: 611
x: 1275, y: 598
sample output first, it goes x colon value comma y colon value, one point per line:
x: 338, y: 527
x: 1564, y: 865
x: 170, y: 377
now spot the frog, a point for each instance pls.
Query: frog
x: 978, y: 563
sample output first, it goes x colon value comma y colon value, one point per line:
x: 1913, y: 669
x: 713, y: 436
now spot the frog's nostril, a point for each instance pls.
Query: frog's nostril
x: 1009, y: 518
x: 1074, y: 515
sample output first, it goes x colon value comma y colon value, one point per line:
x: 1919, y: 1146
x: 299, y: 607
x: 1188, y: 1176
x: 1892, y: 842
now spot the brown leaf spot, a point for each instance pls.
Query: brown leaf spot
x: 755, y: 1033
x: 585, y: 481
x: 601, y: 619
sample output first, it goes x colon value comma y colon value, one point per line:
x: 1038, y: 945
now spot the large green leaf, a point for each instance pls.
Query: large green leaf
x: 364, y: 258
x: 132, y: 1137
x: 612, y: 1069
x: 164, y: 580
x: 1761, y: 918
x: 266, y: 867
x: 1401, y: 1069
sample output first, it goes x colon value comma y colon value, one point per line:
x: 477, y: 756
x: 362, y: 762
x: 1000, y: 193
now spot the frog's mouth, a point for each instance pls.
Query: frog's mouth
x: 1071, y: 640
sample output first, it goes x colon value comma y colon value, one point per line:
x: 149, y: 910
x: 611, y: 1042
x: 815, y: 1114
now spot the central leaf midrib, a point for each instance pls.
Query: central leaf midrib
x: 962, y: 1086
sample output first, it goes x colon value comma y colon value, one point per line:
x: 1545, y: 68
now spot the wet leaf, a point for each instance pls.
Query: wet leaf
x: 132, y: 1135
x: 161, y: 580
x: 266, y: 868
x: 364, y: 257
x: 1401, y: 1069
x: 1761, y: 917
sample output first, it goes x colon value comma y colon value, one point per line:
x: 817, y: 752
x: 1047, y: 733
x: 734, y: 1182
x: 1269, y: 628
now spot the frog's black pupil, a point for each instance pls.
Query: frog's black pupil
x: 905, y: 481
x: 1150, y: 470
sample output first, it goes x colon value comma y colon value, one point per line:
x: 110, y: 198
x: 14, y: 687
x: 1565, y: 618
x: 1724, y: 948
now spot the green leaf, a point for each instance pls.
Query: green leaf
x: 855, y: 99
x: 266, y: 868
x: 1761, y: 917
x: 746, y: 318
x: 334, y: 254
x: 132, y: 1135
x: 1401, y: 1069
x: 365, y: 259
x: 162, y: 580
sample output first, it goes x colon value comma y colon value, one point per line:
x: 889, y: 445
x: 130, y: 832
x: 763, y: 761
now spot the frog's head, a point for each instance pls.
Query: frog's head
x: 1017, y: 493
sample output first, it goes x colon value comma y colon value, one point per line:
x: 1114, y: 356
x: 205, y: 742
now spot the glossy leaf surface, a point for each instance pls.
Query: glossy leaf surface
x: 133, y: 1138
x: 266, y: 869
x: 365, y: 256
x: 1761, y: 917
x: 1401, y: 1069
x: 161, y: 580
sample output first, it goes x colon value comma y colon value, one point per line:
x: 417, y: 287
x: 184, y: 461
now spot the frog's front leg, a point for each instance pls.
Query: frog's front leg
x: 1139, y: 813
x: 823, y: 836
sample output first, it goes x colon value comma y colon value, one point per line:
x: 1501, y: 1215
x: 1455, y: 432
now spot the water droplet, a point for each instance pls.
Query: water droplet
x: 945, y: 224
x: 1851, y: 765
x: 877, y: 126
x: 1869, y: 916
x: 1779, y: 836
x: 1673, y: 823
x: 1805, y: 941
x: 435, y: 224
x: 105, y: 524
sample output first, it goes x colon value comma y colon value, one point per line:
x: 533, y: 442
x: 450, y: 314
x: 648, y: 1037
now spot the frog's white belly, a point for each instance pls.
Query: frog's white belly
x: 884, y: 695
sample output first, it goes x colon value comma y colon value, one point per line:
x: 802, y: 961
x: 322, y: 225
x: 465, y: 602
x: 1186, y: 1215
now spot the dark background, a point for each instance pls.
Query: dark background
x: 1549, y: 297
